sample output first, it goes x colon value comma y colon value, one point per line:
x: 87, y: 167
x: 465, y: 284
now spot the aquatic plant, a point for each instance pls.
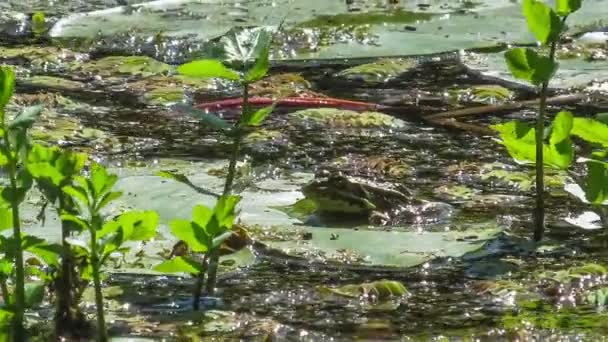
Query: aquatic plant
x: 106, y: 237
x: 205, y: 234
x: 13, y: 155
x: 527, y: 64
x: 53, y: 169
x: 209, y: 68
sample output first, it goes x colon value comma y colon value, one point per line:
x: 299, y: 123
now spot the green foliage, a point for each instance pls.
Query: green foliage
x: 262, y: 64
x: 596, y: 184
x: 566, y: 7
x: 591, y: 130
x: 7, y: 84
x: 208, y: 229
x: 377, y: 290
x: 519, y: 139
x: 208, y: 68
x: 527, y: 64
x: 542, y: 21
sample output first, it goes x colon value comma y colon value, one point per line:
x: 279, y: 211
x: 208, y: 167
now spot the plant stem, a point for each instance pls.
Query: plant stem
x: 19, y: 332
x: 102, y: 334
x: 539, y: 211
x: 4, y: 289
x: 198, y: 287
x: 64, y: 319
x: 236, y: 147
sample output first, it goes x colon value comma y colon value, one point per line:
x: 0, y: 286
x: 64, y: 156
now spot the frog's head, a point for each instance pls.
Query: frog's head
x: 337, y: 193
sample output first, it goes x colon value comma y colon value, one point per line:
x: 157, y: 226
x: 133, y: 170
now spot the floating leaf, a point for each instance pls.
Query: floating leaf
x: 179, y: 265
x: 527, y: 64
x: 378, y: 290
x: 208, y: 68
x: 542, y: 20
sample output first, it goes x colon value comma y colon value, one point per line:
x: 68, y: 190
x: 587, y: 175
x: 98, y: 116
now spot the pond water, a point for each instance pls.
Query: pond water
x: 105, y: 71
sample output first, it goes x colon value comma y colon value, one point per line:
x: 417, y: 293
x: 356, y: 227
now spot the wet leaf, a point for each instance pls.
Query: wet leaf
x: 208, y: 68
x: 566, y: 7
x: 527, y: 64
x: 542, y: 20
x: 179, y: 265
x: 591, y: 130
x: 7, y: 84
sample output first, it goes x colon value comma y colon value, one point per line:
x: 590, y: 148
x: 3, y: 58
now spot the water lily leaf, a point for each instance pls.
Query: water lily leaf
x: 208, y: 68
x: 566, y: 7
x: 7, y: 84
x: 542, y: 20
x: 527, y: 64
x: 591, y: 130
x: 179, y: 265
x: 300, y: 209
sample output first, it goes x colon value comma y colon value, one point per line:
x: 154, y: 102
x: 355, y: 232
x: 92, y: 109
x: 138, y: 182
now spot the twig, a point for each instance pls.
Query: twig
x: 556, y: 100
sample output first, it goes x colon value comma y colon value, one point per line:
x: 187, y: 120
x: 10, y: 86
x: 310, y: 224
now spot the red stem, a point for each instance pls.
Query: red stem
x: 290, y: 102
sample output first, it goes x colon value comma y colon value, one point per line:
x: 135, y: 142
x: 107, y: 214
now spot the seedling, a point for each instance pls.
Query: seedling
x: 205, y: 234
x: 13, y: 155
x: 207, y: 68
x: 92, y: 195
x: 527, y: 64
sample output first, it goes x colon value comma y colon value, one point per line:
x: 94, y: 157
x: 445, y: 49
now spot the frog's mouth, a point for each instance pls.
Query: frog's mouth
x: 336, y: 201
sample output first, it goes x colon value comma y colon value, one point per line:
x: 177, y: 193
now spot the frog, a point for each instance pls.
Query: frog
x: 336, y: 194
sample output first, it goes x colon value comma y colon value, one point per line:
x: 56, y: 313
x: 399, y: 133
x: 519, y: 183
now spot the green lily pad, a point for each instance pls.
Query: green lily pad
x: 125, y: 65
x: 381, y: 71
x: 377, y: 290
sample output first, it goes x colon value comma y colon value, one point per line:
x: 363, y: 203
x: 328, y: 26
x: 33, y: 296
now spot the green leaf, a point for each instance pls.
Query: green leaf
x: 49, y: 253
x: 179, y: 265
x: 566, y: 7
x: 258, y: 117
x: 78, y: 193
x: 100, y: 181
x: 591, y: 130
x: 201, y: 215
x: 191, y: 233
x: 596, y: 184
x: 224, y: 213
x: 210, y: 120
x: 527, y: 65
x: 262, y: 62
x: 135, y: 225
x: 542, y: 21
x: 6, y: 217
x: 26, y: 118
x: 7, y: 85
x: 107, y: 198
x: 217, y: 241
x: 208, y: 68
x: 519, y: 139
x: 34, y: 294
